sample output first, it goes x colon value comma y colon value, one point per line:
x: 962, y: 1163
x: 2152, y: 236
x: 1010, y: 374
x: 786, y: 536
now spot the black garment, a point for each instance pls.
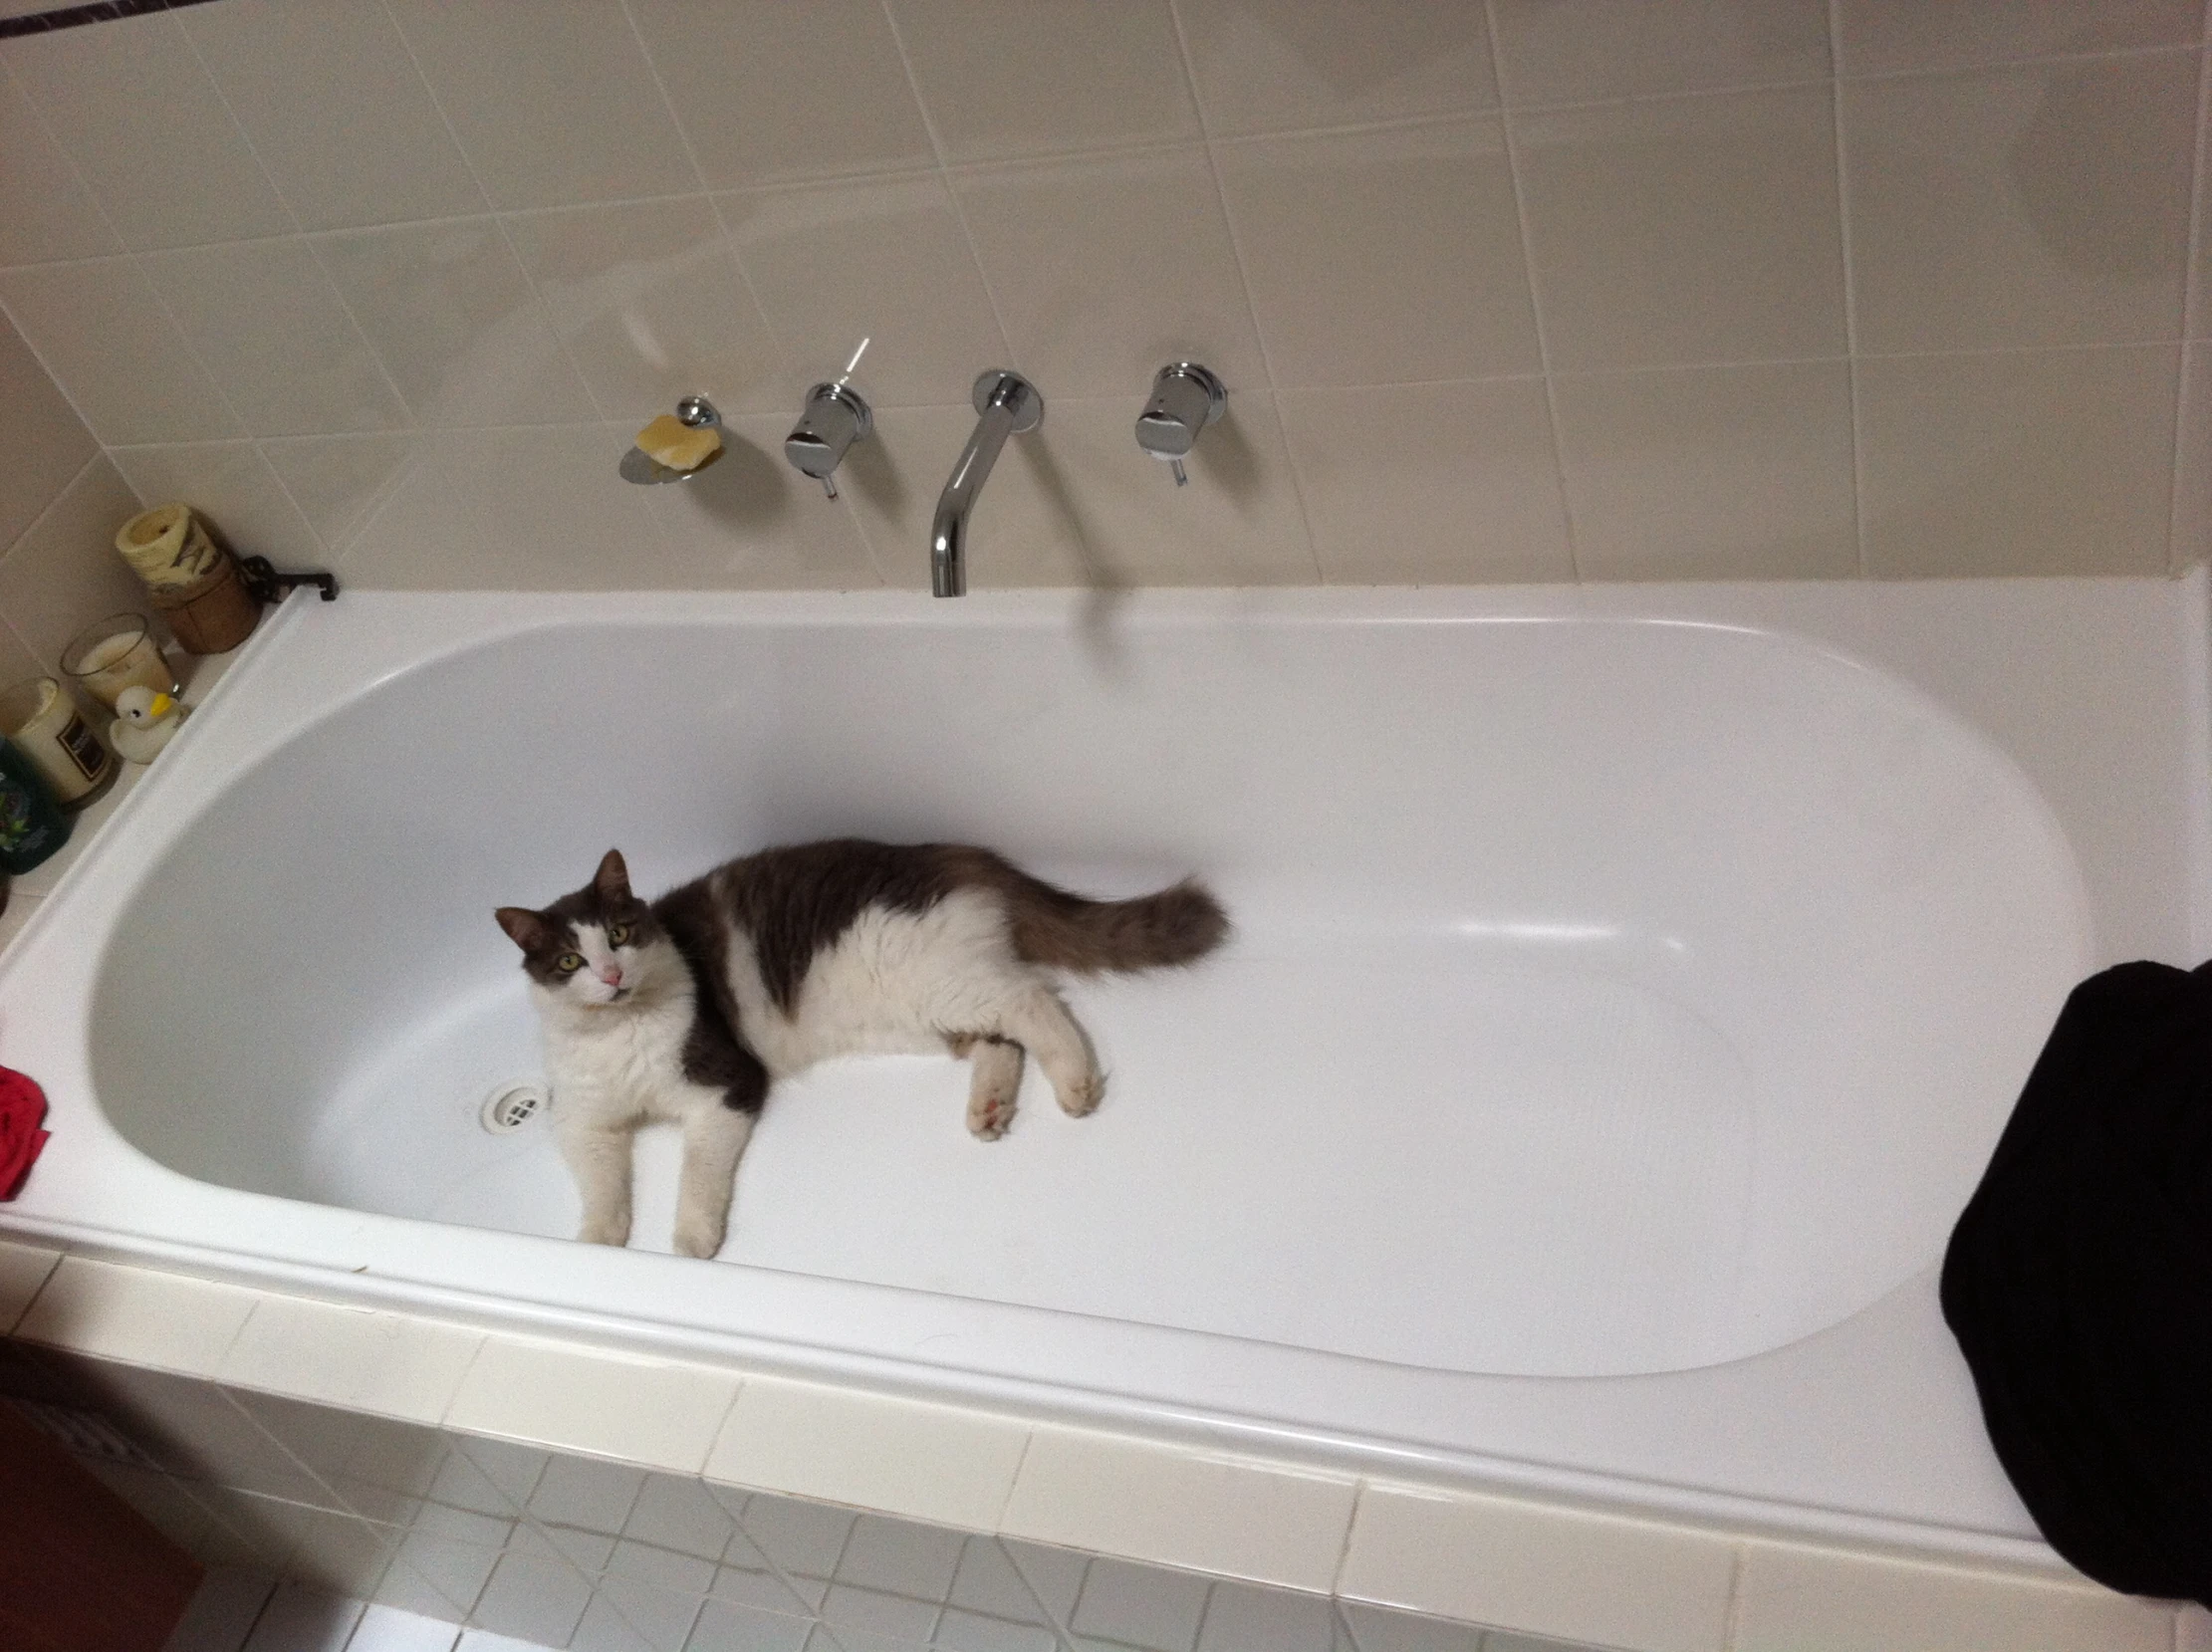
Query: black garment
x: 2078, y: 1282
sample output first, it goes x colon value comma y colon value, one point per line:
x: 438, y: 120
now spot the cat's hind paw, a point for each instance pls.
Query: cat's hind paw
x: 604, y: 1230
x: 988, y: 1116
x: 994, y: 1088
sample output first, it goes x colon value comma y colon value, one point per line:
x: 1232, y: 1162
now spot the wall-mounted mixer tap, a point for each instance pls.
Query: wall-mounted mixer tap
x: 1010, y: 406
x: 836, y: 416
x: 1186, y: 398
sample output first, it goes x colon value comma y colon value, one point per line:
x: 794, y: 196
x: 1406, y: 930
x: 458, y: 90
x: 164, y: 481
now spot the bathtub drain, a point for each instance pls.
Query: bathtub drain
x: 511, y: 1107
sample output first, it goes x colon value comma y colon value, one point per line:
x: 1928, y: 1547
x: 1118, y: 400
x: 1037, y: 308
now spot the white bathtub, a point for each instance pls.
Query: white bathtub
x: 1623, y: 1004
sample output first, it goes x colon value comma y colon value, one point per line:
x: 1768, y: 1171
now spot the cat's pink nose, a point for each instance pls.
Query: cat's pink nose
x: 612, y: 974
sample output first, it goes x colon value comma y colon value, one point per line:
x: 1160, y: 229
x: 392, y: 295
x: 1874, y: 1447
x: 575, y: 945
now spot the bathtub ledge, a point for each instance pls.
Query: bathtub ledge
x: 1521, y: 1564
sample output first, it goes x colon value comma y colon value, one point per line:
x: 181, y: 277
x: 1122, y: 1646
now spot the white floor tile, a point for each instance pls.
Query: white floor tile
x: 302, y: 1619
x: 223, y: 1611
x: 483, y: 1640
x: 728, y: 1626
x: 388, y: 1629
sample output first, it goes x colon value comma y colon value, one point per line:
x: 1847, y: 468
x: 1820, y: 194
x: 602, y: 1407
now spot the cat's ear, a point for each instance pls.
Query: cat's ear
x: 611, y: 881
x: 524, y: 927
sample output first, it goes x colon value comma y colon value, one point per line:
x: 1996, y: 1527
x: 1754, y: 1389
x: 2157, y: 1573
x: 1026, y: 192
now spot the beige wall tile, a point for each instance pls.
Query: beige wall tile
x: 1791, y: 1598
x: 1711, y: 473
x: 338, y: 481
x: 2200, y: 255
x: 1104, y: 270
x: 1269, y: 66
x: 1050, y: 76
x: 926, y: 1462
x: 1504, y: 1562
x: 1026, y: 529
x: 270, y: 328
x: 456, y: 323
x: 103, y: 335
x: 651, y: 307
x: 882, y: 259
x: 747, y: 80
x: 392, y: 1364
x: 1464, y: 490
x: 657, y: 1413
x: 551, y: 513
x: 1685, y: 231
x: 146, y: 127
x: 46, y: 212
x: 232, y: 486
x: 2192, y: 516
x: 364, y: 147
x: 750, y: 520
x: 1236, y: 523
x: 43, y: 441
x: 1551, y: 53
x: 138, y: 1315
x: 2041, y: 462
x: 23, y: 1269
x: 1221, y: 1515
x: 2020, y: 207
x: 552, y: 100
x: 1885, y: 36
x: 63, y: 572
x: 422, y: 535
x: 1382, y: 256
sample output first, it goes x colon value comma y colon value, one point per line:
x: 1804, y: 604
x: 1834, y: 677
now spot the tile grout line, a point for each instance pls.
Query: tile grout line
x: 1343, y: 1549
x: 1536, y: 306
x: 2191, y: 294
x: 944, y: 174
x: 945, y: 179
x: 48, y: 508
x: 1851, y: 282
x: 1244, y: 284
x: 298, y: 237
x: 537, y: 295
x: 100, y: 207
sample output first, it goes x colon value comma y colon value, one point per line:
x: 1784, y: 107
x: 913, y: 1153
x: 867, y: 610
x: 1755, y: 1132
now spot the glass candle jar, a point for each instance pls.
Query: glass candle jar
x: 40, y: 720
x: 32, y: 825
x: 118, y: 653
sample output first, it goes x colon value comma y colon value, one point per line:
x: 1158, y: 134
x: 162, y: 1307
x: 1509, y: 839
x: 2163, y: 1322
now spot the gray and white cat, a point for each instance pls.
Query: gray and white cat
x: 690, y: 1007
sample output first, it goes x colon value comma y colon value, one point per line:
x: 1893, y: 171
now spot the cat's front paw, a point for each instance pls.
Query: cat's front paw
x: 604, y: 1230
x: 1083, y: 1094
x: 698, y: 1238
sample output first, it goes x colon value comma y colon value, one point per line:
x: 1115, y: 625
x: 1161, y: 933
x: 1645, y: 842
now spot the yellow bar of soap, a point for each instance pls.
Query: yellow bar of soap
x: 679, y: 446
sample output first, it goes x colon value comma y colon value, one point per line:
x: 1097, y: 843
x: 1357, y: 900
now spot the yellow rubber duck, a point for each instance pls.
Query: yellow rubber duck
x: 146, y: 718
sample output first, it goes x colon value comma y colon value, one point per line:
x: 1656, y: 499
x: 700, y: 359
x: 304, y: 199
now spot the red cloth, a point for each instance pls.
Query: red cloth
x: 22, y: 1111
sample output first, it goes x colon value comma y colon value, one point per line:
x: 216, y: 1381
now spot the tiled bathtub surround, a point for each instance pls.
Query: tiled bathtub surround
x: 1620, y: 290
x: 568, y: 1497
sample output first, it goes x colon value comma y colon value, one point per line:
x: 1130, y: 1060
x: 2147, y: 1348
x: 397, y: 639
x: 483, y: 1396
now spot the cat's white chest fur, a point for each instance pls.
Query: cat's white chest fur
x: 625, y: 1061
x: 893, y: 982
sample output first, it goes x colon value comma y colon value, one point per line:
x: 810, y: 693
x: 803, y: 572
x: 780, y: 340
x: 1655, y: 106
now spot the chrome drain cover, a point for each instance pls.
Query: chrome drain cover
x: 512, y: 1105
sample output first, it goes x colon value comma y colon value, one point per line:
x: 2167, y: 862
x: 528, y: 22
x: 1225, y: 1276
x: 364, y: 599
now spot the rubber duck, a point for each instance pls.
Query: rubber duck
x: 147, y: 719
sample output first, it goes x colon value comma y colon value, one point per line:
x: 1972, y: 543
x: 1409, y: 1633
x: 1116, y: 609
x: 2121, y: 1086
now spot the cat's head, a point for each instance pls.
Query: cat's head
x: 594, y: 948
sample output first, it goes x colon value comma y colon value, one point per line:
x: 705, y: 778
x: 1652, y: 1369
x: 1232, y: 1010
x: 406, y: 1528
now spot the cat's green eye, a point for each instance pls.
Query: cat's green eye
x: 617, y: 935
x: 569, y: 963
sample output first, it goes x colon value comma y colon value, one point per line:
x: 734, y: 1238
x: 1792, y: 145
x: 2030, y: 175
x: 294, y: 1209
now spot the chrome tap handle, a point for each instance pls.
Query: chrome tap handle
x: 1186, y: 398
x: 836, y: 416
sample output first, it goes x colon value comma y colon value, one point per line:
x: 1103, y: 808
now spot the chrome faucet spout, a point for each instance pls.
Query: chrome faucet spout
x: 1007, y: 406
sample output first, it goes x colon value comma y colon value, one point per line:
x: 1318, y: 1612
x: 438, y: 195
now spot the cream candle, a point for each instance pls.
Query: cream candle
x: 118, y: 653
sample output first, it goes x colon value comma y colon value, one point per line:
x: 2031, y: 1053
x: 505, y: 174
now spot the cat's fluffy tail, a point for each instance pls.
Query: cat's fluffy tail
x: 1175, y: 925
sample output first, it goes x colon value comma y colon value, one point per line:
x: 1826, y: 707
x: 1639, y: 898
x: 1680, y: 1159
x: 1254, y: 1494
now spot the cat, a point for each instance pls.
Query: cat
x: 689, y: 1008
